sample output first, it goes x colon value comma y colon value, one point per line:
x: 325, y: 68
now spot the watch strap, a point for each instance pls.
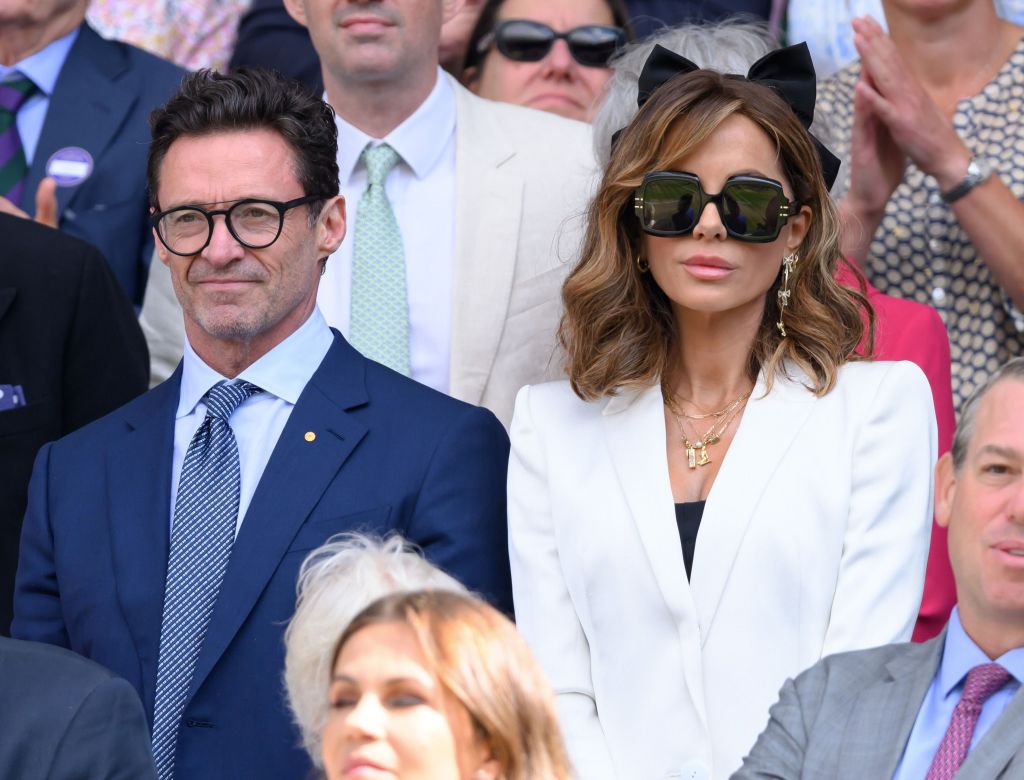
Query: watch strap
x: 977, y: 172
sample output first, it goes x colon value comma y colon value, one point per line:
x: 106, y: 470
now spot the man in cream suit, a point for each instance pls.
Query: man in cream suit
x: 953, y: 705
x: 487, y: 198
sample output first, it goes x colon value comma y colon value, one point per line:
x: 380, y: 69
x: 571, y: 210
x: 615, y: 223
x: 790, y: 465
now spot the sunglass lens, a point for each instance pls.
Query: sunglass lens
x: 524, y: 41
x: 593, y: 45
x: 670, y: 205
x: 750, y: 209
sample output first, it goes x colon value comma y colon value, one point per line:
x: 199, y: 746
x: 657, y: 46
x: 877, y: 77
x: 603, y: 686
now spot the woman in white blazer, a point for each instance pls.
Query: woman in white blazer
x: 712, y: 386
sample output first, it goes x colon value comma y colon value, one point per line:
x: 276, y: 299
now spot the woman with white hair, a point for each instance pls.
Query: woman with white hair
x: 336, y: 582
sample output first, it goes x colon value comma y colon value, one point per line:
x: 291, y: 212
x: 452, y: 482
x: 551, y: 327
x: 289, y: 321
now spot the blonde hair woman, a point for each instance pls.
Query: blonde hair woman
x: 720, y: 494
x: 437, y: 685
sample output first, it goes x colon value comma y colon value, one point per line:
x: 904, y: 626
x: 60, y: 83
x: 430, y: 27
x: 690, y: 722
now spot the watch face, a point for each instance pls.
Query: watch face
x: 979, y: 169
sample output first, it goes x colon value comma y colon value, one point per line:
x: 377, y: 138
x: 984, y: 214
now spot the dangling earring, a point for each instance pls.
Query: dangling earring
x: 642, y: 264
x: 787, y: 268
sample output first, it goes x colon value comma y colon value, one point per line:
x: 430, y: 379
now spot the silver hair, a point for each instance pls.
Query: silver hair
x: 336, y: 582
x: 728, y: 47
x: 1012, y: 369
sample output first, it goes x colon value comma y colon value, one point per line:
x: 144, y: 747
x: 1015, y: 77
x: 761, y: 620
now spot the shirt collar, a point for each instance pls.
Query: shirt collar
x: 419, y: 140
x: 960, y: 654
x: 45, y: 65
x: 283, y: 372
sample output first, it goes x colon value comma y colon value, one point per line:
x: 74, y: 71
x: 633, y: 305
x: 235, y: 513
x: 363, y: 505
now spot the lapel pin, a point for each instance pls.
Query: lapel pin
x: 310, y: 436
x: 69, y: 166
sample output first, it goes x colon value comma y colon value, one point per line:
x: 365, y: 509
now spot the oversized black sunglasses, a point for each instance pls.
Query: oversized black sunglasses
x: 751, y: 208
x: 254, y: 222
x: 524, y: 40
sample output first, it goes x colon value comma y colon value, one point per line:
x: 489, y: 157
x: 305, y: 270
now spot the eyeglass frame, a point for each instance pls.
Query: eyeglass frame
x: 787, y: 208
x: 493, y: 38
x: 283, y: 207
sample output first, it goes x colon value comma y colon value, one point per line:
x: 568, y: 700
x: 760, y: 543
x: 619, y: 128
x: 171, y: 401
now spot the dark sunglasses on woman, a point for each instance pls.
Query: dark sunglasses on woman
x: 524, y: 40
x: 751, y: 208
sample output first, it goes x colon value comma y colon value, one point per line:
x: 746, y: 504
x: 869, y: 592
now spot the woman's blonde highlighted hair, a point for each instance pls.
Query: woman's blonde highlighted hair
x: 479, y: 657
x: 618, y: 330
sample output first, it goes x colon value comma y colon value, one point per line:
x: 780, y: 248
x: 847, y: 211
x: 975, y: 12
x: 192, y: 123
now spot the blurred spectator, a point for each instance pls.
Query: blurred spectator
x: 81, y: 104
x: 451, y: 274
x: 192, y: 33
x: 551, y: 55
x: 65, y: 718
x: 932, y: 194
x: 336, y: 582
x: 650, y: 16
x: 827, y: 28
x: 268, y: 37
x: 70, y: 351
x: 474, y: 702
x: 455, y: 36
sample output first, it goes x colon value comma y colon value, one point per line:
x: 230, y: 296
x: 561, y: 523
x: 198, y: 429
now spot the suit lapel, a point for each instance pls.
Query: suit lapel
x: 766, y: 432
x: 999, y: 746
x: 293, y: 481
x: 489, y: 200
x: 632, y: 422
x: 95, y: 82
x: 139, y: 522
x: 883, y: 715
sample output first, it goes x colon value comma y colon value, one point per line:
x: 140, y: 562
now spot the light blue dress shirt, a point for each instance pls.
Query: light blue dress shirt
x: 959, y: 656
x: 43, y: 68
x: 257, y: 423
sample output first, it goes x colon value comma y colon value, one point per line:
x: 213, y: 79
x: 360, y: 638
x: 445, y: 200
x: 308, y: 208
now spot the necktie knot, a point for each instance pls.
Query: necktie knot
x: 14, y: 92
x: 222, y: 399
x: 983, y: 681
x: 379, y: 161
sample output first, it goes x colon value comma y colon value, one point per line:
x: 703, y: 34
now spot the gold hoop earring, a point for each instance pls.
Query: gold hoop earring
x: 642, y: 264
x: 787, y: 269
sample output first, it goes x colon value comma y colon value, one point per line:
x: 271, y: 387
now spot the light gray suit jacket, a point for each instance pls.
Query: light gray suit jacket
x: 850, y: 715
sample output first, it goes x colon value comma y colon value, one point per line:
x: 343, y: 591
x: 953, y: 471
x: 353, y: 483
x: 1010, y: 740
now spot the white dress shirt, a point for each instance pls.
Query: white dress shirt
x: 258, y: 421
x: 421, y: 190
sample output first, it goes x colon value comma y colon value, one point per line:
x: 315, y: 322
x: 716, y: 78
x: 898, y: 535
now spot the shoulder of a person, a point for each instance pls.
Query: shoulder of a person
x: 854, y: 669
x: 50, y: 668
x: 865, y: 378
x: 558, y: 403
x: 160, y: 74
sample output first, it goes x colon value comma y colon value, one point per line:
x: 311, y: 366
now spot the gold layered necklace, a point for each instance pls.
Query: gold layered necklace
x: 722, y: 419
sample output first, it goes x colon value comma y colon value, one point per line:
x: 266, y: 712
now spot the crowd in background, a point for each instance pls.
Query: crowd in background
x: 513, y: 389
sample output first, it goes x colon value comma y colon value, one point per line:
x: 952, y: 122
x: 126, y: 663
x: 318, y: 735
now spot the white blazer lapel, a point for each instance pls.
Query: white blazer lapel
x: 489, y: 199
x: 766, y: 432
x: 634, y: 424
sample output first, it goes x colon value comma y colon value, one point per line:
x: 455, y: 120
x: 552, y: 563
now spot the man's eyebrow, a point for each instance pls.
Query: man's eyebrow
x: 1010, y: 453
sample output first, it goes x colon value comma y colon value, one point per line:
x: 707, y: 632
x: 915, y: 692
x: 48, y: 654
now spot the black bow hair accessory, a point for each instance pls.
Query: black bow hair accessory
x: 789, y: 71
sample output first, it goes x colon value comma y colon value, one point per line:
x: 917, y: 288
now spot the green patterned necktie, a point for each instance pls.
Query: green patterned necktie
x: 379, y: 318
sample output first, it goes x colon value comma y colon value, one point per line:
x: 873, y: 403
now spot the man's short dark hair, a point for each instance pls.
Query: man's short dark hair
x: 251, y: 99
x: 1012, y: 369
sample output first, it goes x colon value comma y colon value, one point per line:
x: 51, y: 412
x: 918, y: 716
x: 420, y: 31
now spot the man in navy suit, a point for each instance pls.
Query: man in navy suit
x: 84, y: 124
x: 120, y: 553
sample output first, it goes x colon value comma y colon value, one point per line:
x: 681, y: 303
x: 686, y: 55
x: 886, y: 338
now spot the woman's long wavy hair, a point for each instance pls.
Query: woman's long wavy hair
x: 618, y: 330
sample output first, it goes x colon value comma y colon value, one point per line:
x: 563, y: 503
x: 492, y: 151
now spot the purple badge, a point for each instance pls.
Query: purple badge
x: 69, y: 166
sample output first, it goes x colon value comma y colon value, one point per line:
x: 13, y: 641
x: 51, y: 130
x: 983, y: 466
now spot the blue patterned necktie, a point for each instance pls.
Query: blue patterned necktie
x: 205, y: 517
x: 379, y: 318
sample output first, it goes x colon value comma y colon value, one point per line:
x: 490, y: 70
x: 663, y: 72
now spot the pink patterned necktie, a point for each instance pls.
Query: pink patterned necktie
x: 982, y: 682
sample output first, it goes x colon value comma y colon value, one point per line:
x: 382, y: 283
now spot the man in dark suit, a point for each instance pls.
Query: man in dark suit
x: 63, y: 717
x: 70, y: 352
x: 83, y: 122
x: 952, y: 705
x: 164, y: 540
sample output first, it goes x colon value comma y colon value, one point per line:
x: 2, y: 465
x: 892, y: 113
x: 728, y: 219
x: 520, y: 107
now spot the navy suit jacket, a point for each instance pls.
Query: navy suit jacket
x: 388, y: 454
x: 101, y: 103
x: 64, y: 717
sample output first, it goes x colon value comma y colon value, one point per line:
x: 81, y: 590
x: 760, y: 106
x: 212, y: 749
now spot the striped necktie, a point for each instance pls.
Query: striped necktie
x: 13, y: 167
x: 205, y: 517
x: 379, y: 318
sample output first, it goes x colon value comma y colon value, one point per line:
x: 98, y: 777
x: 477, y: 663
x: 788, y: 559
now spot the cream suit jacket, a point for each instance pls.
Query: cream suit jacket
x: 522, y: 180
x: 813, y: 541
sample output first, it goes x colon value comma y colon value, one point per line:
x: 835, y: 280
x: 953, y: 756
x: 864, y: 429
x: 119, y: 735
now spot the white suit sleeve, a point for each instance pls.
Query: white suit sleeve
x: 545, y: 614
x: 885, y: 547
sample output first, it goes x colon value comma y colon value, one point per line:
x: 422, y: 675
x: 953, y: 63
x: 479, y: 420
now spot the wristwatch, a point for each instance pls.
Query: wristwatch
x: 977, y: 171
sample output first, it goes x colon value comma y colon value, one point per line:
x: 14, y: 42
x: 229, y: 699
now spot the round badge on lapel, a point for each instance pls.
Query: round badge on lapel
x: 69, y: 166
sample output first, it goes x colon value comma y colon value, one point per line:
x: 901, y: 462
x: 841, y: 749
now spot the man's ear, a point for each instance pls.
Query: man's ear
x: 945, y: 489
x: 331, y: 226
x: 297, y: 10
x: 448, y: 9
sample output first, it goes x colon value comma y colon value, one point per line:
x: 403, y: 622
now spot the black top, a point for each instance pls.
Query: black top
x: 688, y: 517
